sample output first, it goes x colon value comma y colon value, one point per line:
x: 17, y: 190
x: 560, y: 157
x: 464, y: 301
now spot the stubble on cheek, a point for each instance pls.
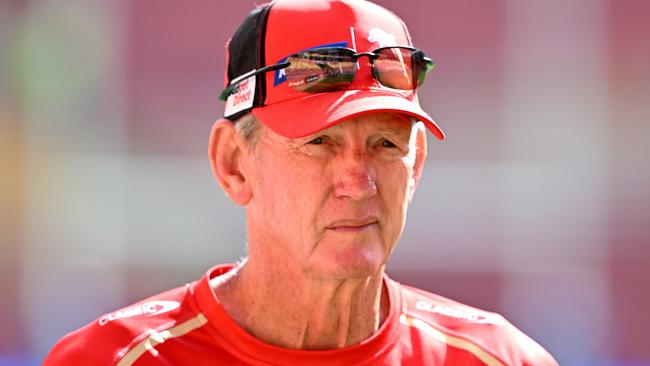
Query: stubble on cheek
x: 291, y: 191
x: 395, y: 202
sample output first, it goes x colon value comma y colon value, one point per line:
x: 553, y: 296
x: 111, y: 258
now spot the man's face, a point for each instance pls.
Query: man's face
x: 333, y: 204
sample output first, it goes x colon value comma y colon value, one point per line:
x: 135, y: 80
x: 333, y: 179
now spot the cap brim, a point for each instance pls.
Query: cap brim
x: 312, y: 113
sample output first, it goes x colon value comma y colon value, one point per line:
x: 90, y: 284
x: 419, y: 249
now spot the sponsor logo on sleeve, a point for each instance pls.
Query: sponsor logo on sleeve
x: 458, y: 313
x: 150, y: 308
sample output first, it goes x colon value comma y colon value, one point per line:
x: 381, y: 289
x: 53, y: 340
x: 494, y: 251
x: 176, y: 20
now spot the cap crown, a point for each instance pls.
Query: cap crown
x: 278, y: 29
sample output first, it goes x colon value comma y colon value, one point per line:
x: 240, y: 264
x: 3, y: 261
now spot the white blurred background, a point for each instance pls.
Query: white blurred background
x: 536, y: 206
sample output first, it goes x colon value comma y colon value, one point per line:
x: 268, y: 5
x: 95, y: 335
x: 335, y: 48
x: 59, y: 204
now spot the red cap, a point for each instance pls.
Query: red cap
x: 295, y: 25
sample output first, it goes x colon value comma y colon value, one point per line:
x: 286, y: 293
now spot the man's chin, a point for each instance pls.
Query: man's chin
x: 349, y: 264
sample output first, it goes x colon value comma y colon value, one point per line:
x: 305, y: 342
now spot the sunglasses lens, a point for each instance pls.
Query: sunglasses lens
x: 423, y: 65
x: 401, y: 68
x: 321, y: 70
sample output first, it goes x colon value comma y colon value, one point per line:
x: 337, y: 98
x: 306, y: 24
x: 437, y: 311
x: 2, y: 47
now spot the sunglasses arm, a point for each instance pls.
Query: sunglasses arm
x: 234, y: 82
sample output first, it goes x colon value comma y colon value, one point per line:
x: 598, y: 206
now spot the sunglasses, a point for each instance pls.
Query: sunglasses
x: 333, y: 68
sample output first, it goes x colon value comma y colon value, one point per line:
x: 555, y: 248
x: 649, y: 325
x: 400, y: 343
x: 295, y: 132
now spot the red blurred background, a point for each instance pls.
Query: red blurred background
x: 536, y: 206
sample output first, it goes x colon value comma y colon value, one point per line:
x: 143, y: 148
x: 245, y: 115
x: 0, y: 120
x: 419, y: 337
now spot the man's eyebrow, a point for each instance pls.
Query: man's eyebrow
x: 317, y: 134
x: 394, y: 131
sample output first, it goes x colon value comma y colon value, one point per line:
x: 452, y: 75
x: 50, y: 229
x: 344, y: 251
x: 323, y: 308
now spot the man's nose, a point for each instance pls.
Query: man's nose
x: 354, y: 176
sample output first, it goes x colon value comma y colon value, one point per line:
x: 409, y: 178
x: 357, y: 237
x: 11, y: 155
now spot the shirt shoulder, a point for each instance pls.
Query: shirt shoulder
x: 111, y: 336
x: 486, y: 334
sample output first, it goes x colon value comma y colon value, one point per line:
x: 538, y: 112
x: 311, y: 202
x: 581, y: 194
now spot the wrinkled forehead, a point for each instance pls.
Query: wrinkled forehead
x: 360, y: 25
x: 369, y: 124
x: 377, y: 121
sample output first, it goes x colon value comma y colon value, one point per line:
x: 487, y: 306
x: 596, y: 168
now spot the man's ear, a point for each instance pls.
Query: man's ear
x: 227, y: 156
x: 420, y: 158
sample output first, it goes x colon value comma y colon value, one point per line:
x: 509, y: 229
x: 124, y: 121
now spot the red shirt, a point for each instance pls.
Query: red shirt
x: 188, y: 326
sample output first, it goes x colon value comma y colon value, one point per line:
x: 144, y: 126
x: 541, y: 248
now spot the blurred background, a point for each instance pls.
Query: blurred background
x: 537, y: 206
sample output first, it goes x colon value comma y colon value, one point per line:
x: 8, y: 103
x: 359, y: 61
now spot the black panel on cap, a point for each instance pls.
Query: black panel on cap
x: 246, y: 53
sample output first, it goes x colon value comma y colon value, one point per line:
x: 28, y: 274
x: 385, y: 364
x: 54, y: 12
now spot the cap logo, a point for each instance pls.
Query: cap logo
x: 242, y: 98
x: 381, y: 37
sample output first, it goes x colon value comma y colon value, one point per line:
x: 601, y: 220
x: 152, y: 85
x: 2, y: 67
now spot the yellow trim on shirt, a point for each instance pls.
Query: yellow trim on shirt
x: 461, y: 343
x: 156, y: 338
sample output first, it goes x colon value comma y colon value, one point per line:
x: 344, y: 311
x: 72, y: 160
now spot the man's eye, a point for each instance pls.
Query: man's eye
x: 387, y: 143
x: 317, y: 141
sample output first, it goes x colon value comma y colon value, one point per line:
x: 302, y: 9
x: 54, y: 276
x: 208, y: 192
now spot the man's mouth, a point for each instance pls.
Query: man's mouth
x: 353, y: 225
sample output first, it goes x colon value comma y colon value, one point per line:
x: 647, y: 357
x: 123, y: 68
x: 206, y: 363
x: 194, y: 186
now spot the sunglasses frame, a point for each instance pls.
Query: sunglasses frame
x: 428, y: 63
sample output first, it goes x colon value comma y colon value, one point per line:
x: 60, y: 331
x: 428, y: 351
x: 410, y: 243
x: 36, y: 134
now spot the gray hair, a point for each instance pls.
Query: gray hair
x: 248, y: 128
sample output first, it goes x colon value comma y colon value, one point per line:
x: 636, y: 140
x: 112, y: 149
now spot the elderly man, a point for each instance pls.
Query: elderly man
x: 324, y: 143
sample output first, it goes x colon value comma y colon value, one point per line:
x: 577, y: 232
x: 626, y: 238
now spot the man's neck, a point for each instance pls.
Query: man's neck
x: 293, y: 311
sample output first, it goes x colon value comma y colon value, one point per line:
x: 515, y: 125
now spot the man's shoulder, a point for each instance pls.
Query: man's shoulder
x: 463, y: 326
x: 108, y: 338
